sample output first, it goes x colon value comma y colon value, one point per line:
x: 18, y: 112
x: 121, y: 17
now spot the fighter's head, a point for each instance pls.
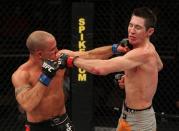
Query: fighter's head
x: 42, y: 44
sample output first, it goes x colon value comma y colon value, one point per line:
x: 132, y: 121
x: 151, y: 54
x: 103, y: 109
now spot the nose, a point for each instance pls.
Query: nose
x: 132, y: 30
x: 56, y: 50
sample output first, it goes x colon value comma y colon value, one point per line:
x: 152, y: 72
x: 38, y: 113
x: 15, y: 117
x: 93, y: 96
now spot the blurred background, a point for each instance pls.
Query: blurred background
x: 109, y: 25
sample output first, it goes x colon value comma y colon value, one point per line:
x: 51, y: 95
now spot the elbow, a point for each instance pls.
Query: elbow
x: 98, y: 71
x: 27, y: 107
x: 160, y: 66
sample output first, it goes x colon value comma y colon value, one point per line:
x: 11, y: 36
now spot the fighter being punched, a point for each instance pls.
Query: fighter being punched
x: 141, y: 66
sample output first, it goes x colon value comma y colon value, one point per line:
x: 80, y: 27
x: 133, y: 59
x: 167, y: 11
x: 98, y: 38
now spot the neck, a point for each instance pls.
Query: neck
x: 35, y: 60
x: 143, y: 43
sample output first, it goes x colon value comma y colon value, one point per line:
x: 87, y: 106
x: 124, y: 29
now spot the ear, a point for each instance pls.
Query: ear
x: 39, y: 53
x: 150, y: 31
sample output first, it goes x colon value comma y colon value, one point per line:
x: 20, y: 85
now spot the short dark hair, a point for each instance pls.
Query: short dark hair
x: 147, y: 14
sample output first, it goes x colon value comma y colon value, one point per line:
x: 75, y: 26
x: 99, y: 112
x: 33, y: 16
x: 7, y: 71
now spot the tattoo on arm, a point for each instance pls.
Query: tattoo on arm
x: 20, y: 89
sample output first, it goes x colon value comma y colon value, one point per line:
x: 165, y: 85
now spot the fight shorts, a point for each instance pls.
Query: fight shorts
x: 59, y: 123
x: 137, y: 120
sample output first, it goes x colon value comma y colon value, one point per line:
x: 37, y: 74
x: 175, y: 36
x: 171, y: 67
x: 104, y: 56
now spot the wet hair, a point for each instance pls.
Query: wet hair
x: 147, y: 14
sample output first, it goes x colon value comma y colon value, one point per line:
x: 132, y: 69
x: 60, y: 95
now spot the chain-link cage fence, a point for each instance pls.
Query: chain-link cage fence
x: 20, y: 18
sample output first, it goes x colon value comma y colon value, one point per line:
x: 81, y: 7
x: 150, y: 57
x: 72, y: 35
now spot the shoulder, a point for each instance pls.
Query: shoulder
x: 152, y: 51
x: 149, y: 51
x: 21, y: 75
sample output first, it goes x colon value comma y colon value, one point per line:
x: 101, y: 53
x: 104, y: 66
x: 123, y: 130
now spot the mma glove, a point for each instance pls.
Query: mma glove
x: 49, y: 68
x: 65, y: 61
x: 124, y: 43
x: 118, y: 77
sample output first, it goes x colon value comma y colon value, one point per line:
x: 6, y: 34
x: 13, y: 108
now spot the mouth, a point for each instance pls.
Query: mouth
x: 132, y: 38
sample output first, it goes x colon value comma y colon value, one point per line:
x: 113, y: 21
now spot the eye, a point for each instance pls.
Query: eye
x: 130, y: 25
x: 138, y: 27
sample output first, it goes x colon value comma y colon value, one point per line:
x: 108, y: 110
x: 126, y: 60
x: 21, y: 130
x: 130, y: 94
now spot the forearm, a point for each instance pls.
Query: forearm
x: 98, y: 53
x: 104, y: 67
x: 98, y: 67
x: 31, y: 98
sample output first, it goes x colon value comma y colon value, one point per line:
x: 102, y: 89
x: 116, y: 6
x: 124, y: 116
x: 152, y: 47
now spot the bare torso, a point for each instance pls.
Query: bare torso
x: 53, y: 102
x: 141, y: 83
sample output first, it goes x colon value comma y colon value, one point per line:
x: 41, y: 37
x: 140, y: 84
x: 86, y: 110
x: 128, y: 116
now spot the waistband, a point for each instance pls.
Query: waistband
x: 135, y: 110
x: 50, y: 122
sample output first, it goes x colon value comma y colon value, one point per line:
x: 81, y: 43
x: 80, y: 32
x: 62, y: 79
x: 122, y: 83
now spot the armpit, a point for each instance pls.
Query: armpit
x: 22, y: 88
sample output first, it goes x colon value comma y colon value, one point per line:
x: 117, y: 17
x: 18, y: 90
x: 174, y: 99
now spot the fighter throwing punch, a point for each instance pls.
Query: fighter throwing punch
x: 141, y: 66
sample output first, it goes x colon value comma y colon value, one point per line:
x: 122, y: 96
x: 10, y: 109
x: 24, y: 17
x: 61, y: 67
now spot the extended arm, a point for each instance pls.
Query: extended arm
x: 103, y: 52
x: 97, y: 53
x: 130, y: 60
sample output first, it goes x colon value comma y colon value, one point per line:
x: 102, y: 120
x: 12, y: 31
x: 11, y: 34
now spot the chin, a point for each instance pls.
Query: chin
x: 131, y: 41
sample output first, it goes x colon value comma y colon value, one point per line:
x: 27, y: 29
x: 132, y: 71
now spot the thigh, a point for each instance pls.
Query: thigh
x: 123, y: 125
x: 144, y: 121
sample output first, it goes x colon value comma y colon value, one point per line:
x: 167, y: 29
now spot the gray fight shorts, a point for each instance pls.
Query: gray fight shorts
x: 137, y: 120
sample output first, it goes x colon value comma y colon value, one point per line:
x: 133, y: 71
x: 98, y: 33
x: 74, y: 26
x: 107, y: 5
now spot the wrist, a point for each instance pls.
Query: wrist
x: 114, y: 48
x: 44, y: 79
x: 70, y: 61
x: 75, y: 59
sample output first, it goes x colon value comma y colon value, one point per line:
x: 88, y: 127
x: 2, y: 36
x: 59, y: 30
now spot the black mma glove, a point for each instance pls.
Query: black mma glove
x: 62, y: 61
x: 124, y: 43
x: 117, y: 77
x: 49, y: 68
x: 65, y: 61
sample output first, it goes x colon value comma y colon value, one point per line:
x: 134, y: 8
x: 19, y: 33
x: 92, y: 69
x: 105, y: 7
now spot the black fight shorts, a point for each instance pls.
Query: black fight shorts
x: 59, y: 123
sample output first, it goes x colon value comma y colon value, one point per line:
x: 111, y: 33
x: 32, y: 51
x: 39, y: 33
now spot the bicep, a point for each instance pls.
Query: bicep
x: 117, y: 64
x: 128, y: 61
x: 20, y: 82
x: 123, y: 63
